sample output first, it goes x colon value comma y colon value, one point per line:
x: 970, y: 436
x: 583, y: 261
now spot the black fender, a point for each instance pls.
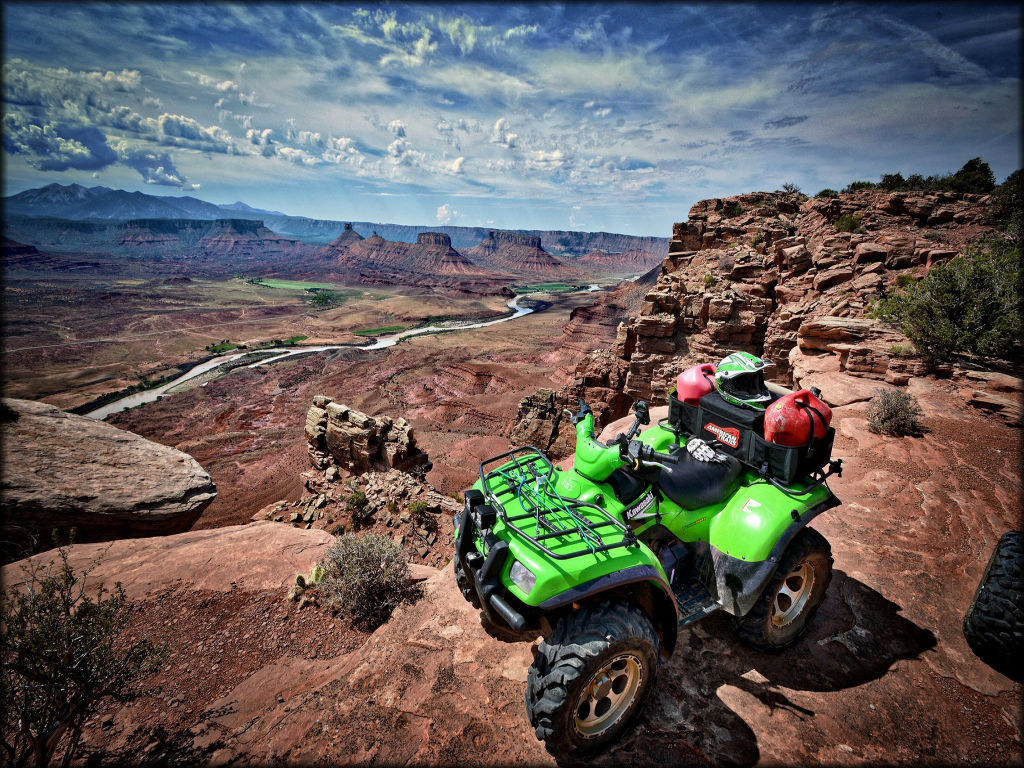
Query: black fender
x: 641, y: 583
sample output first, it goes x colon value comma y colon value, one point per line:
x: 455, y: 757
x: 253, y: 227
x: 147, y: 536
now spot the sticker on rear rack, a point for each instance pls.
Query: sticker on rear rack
x: 642, y: 507
x: 726, y: 435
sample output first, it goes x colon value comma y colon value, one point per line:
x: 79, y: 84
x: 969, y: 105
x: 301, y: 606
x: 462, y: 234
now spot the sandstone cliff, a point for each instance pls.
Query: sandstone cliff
x: 770, y: 273
x: 510, y: 253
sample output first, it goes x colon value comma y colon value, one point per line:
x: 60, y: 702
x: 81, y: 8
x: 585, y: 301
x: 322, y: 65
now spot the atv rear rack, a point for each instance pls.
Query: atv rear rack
x: 526, y: 476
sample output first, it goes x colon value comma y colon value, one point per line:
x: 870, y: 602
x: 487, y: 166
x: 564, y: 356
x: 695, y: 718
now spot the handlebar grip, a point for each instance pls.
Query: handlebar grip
x: 654, y: 455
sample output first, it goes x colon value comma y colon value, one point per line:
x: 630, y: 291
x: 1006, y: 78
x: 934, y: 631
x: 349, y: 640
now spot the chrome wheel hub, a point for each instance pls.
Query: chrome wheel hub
x: 793, y: 595
x: 608, y: 695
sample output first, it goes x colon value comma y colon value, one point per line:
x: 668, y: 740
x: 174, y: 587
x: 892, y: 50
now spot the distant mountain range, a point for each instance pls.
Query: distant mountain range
x: 77, y: 203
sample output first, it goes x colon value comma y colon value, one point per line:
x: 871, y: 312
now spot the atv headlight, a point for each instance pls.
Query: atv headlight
x: 522, y: 577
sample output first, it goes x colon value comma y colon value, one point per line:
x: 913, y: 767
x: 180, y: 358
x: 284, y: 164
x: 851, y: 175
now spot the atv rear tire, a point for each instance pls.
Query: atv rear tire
x: 464, y: 584
x: 590, y: 678
x: 792, y: 596
x: 994, y: 624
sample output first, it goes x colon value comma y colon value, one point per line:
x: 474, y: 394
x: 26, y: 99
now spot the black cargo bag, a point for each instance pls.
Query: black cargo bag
x: 739, y: 432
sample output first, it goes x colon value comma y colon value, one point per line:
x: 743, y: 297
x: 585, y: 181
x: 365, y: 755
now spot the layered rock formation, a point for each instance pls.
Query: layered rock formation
x: 431, y: 254
x: 631, y: 261
x: 368, y: 475
x: 226, y: 237
x: 64, y: 471
x: 771, y: 274
x: 356, y: 443
x: 511, y: 253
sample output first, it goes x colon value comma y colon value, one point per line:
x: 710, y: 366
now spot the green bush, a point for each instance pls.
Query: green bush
x: 971, y: 304
x: 62, y: 652
x: 1008, y: 205
x: 892, y: 412
x: 791, y: 188
x: 324, y: 299
x: 975, y: 177
x: 892, y: 181
x: 905, y: 281
x: 827, y: 192
x: 902, y: 351
x: 853, y: 186
x: 847, y: 223
x: 758, y: 237
x: 365, y: 579
x: 732, y: 210
x: 709, y: 279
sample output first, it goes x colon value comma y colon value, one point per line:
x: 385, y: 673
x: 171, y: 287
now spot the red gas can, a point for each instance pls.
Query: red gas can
x: 791, y: 419
x: 695, y: 382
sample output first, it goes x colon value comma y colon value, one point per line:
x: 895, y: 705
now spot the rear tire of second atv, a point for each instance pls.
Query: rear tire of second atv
x: 756, y: 628
x: 994, y: 624
x: 566, y: 661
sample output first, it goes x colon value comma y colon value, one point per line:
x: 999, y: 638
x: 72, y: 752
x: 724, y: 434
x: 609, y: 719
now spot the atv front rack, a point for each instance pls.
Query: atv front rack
x: 525, y: 475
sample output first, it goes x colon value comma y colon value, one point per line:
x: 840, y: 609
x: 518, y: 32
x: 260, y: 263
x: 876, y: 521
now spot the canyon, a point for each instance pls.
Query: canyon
x: 883, y: 675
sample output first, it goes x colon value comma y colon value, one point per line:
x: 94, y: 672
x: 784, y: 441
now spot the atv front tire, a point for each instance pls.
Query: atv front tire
x: 590, y: 678
x: 792, y: 596
x: 464, y: 584
x: 994, y: 624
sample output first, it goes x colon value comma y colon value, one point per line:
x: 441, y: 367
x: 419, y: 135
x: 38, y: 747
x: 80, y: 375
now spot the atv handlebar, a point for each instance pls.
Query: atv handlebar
x: 636, y: 453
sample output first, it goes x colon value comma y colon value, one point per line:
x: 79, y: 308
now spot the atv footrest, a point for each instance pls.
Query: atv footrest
x: 695, y: 602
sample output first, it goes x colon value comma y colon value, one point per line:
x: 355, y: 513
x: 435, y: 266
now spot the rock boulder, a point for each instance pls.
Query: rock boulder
x: 356, y: 443
x: 63, y: 471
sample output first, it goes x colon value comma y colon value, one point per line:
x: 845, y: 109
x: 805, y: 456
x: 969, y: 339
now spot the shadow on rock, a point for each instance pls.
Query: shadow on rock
x: 856, y: 636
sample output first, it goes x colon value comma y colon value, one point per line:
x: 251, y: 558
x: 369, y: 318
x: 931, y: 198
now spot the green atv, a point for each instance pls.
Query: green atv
x: 608, y: 559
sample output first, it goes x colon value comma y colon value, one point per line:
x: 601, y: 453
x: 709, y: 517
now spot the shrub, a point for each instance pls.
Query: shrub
x: 359, y: 507
x: 1008, y: 205
x: 324, y: 299
x: 902, y: 351
x: 905, y: 281
x: 847, y: 223
x: 892, y: 412
x: 758, y: 237
x: 853, y: 186
x: 365, y: 579
x: 62, y: 653
x: 827, y: 192
x: 976, y: 176
x: 790, y: 187
x: 732, y: 210
x: 892, y: 181
x: 709, y: 279
x: 970, y: 304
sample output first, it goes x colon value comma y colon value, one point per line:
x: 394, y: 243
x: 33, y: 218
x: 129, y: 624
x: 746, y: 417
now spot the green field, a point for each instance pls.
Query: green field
x: 379, y: 331
x: 292, y: 285
x: 545, y: 288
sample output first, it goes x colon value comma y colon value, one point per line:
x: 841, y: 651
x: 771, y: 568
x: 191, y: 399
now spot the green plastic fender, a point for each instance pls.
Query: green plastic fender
x: 756, y: 517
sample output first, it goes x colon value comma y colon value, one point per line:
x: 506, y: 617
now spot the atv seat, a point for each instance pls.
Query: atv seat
x: 693, y: 484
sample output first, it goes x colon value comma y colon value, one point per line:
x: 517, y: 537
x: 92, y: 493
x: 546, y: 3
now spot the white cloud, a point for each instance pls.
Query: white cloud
x: 446, y: 213
x: 501, y: 134
x: 397, y: 127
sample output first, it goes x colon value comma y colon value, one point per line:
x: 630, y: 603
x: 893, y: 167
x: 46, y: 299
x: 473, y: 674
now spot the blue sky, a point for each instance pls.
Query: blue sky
x: 596, y: 117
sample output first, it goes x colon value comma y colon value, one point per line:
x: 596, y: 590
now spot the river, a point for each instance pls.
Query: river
x: 150, y: 395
